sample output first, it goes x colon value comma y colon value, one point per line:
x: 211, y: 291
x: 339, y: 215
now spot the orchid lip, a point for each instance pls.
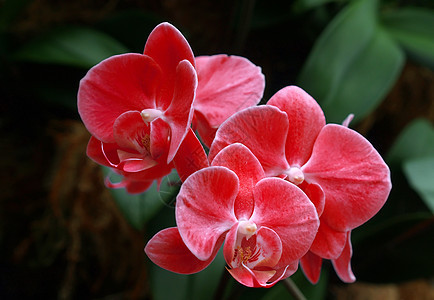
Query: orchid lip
x: 294, y: 175
x: 150, y: 114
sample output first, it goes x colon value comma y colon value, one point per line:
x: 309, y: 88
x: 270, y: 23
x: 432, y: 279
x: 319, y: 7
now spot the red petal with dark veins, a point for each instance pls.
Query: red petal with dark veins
x: 328, y: 243
x: 353, y: 176
x: 305, y: 122
x: 205, y: 208
x: 227, y: 84
x: 159, y: 139
x: 241, y: 160
x: 284, y: 208
x: 311, y: 266
x: 191, y: 156
x: 168, y: 47
x: 167, y: 250
x: 118, y: 84
x: 342, y: 264
x: 263, y: 130
x: 180, y: 112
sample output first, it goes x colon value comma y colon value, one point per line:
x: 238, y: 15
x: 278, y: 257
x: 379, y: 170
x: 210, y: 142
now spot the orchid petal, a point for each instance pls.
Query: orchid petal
x: 241, y: 160
x: 342, y: 264
x: 204, y: 208
x: 191, y: 156
x: 328, y: 243
x: 263, y: 130
x: 227, y: 84
x: 252, y: 278
x: 205, y: 131
x: 159, y: 139
x: 131, y: 132
x: 118, y: 84
x: 167, y: 250
x: 315, y: 194
x: 353, y: 176
x: 180, y: 112
x: 132, y: 187
x: 311, y: 266
x: 305, y: 122
x: 95, y: 152
x: 167, y: 46
x: 265, y: 247
x: 284, y: 208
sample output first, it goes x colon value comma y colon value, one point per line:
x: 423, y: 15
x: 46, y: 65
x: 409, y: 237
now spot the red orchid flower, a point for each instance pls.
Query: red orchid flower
x: 266, y: 224
x: 337, y: 168
x: 139, y: 107
x: 226, y: 85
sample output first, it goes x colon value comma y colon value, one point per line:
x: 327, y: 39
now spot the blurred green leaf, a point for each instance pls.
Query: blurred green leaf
x: 353, y: 63
x: 73, y: 46
x: 413, y: 29
x: 415, y: 141
x: 140, y: 208
x: 168, y: 285
x: 420, y: 174
x: 367, y: 80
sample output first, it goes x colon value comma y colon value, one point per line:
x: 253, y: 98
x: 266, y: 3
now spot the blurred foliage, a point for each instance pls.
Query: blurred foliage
x: 346, y: 54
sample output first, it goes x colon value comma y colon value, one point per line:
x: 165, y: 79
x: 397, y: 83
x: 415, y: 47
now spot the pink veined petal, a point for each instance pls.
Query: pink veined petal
x: 328, y: 243
x: 131, y: 132
x: 353, y: 176
x: 118, y: 84
x: 311, y: 266
x: 263, y: 130
x: 168, y: 47
x: 241, y: 160
x: 159, y: 139
x: 342, y: 264
x: 94, y: 151
x: 227, y: 84
x: 180, y: 112
x: 204, y: 208
x: 305, y: 122
x: 167, y: 250
x: 284, y: 208
x: 315, y: 194
x: 191, y: 156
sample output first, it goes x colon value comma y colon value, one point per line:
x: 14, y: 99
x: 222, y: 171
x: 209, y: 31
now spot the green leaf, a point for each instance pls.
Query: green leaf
x: 415, y: 141
x: 420, y: 174
x: 168, y: 285
x: 303, y: 5
x: 413, y: 29
x: 140, y: 208
x: 353, y: 63
x: 72, y: 46
x: 367, y: 80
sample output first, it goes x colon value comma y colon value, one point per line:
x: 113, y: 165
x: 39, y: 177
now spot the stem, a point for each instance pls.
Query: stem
x: 293, y: 289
